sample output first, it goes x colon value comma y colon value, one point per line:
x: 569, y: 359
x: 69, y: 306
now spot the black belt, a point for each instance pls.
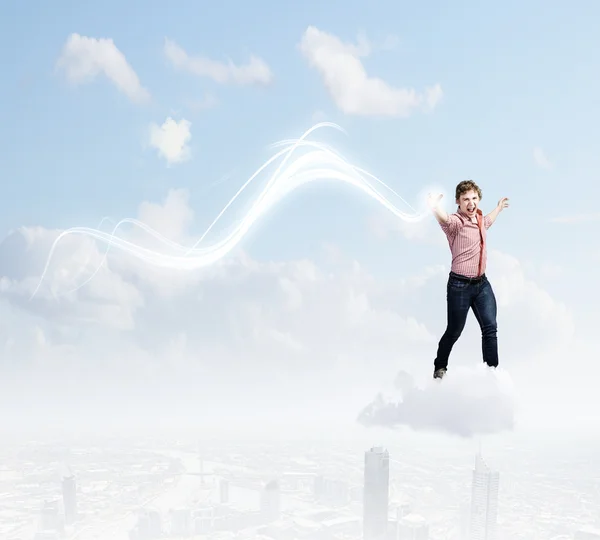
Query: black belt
x: 466, y: 278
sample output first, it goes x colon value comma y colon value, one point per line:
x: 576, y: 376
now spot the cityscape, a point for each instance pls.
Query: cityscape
x: 149, y: 489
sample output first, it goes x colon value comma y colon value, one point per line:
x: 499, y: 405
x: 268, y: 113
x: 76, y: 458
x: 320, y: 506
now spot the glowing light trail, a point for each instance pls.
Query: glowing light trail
x: 318, y: 163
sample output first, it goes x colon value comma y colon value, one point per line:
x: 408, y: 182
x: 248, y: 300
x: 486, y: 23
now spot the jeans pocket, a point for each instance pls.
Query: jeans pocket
x: 457, y: 284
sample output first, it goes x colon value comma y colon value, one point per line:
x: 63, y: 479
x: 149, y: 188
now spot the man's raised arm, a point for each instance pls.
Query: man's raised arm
x: 438, y: 212
x: 502, y: 204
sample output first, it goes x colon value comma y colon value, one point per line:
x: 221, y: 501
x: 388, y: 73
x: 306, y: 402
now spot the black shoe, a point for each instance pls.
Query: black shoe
x: 439, y: 373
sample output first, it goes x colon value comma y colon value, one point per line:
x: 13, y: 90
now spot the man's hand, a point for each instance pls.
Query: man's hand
x: 503, y: 203
x: 433, y: 202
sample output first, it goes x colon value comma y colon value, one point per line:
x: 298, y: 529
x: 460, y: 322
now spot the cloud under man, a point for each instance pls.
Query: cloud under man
x: 83, y: 59
x: 255, y: 72
x: 467, y: 403
x: 351, y: 88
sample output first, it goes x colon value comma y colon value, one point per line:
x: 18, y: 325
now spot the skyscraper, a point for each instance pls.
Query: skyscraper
x: 484, y: 502
x: 270, y: 500
x: 224, y: 491
x: 69, y: 490
x: 376, y: 493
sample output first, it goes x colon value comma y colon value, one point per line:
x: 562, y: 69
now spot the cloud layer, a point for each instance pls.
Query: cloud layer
x: 296, y: 334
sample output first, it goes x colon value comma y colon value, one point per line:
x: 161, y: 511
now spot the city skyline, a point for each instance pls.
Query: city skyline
x: 235, y: 486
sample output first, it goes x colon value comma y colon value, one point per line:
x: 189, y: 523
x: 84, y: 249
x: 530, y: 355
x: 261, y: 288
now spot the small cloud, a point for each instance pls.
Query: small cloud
x: 541, y: 160
x: 84, y: 58
x: 171, y: 140
x: 467, y: 402
x: 256, y: 71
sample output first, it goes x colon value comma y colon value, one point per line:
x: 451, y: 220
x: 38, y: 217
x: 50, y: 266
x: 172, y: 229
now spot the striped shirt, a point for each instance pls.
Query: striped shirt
x: 467, y: 242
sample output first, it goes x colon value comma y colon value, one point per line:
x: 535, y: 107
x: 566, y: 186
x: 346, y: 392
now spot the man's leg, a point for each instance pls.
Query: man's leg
x: 458, y: 296
x: 485, y: 309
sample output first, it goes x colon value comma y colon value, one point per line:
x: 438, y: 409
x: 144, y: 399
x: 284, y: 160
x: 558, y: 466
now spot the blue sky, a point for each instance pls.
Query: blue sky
x: 514, y: 76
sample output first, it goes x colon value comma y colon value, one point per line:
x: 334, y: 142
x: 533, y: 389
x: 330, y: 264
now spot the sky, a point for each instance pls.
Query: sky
x: 161, y: 113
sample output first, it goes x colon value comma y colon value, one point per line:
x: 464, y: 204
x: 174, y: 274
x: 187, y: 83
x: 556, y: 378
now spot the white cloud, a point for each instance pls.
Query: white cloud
x: 469, y: 401
x: 256, y: 71
x: 109, y: 299
x: 170, y: 219
x: 352, y: 89
x: 171, y: 140
x: 544, y: 271
x: 522, y: 303
x: 541, y: 160
x: 84, y: 58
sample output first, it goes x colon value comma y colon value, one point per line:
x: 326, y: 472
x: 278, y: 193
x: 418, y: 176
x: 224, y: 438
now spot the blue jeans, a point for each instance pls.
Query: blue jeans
x: 462, y: 294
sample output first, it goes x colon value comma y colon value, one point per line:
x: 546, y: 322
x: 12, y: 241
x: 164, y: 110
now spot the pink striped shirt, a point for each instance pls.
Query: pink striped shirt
x: 467, y: 242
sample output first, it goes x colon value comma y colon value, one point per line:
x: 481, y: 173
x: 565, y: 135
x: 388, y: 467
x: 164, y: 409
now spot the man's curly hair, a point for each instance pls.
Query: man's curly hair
x: 467, y: 185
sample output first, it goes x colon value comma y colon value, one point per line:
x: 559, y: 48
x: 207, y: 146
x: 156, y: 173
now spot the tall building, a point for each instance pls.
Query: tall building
x: 69, y: 491
x: 463, y: 521
x: 376, y: 493
x: 270, y: 501
x: 484, y: 502
x: 224, y: 491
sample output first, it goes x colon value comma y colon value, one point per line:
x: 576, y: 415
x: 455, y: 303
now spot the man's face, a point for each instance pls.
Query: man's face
x: 468, y: 202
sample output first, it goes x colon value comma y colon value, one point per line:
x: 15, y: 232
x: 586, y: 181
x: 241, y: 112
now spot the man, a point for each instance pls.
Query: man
x: 468, y: 286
